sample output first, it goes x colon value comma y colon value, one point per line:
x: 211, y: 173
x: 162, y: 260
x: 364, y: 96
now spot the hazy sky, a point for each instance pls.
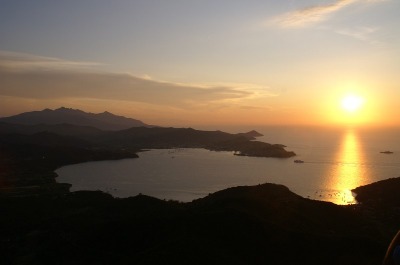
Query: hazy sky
x: 188, y: 63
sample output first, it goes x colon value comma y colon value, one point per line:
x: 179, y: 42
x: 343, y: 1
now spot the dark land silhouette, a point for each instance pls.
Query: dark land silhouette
x: 264, y: 224
x: 88, y: 131
x: 103, y: 121
x: 43, y: 223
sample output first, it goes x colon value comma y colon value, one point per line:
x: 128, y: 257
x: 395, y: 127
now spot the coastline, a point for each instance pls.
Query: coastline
x: 258, y: 224
x: 239, y: 225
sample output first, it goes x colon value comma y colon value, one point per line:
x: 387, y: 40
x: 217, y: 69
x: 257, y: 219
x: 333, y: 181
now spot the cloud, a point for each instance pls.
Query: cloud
x: 314, y: 14
x: 361, y: 33
x: 42, y: 78
x: 310, y: 15
x: 13, y: 61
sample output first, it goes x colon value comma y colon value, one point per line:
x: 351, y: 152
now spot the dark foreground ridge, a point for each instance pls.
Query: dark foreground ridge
x: 43, y: 223
x: 264, y: 224
x: 382, y: 193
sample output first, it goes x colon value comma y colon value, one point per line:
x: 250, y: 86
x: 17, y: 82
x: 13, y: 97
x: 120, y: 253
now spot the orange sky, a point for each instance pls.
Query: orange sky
x: 209, y: 63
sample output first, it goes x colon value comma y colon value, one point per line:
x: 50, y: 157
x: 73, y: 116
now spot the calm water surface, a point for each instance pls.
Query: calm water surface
x: 336, y: 161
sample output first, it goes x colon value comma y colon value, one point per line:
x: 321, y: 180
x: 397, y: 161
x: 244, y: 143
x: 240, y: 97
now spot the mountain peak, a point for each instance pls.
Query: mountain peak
x: 251, y: 134
x: 254, y: 133
x: 103, y: 121
x: 106, y: 113
x: 63, y: 109
x: 68, y: 110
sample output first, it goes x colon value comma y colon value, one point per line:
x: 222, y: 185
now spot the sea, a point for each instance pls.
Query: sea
x: 336, y: 160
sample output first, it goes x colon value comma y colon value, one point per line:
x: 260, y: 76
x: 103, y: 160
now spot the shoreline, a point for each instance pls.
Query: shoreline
x: 239, y: 225
x: 175, y: 161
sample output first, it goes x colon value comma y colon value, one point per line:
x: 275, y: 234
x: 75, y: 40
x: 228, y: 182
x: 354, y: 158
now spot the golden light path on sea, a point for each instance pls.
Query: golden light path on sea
x: 349, y: 172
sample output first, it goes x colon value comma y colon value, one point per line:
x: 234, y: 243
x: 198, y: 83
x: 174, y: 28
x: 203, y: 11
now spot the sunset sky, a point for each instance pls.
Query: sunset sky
x: 194, y: 63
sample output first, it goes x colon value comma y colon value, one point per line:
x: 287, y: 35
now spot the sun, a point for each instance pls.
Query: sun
x: 352, y: 103
x: 350, y: 108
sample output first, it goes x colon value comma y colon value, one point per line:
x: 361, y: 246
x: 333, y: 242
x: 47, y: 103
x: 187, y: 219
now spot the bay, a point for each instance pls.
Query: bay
x: 335, y: 161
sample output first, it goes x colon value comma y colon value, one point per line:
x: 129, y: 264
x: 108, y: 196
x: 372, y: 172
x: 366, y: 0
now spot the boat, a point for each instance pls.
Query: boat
x: 298, y: 161
x: 386, y: 152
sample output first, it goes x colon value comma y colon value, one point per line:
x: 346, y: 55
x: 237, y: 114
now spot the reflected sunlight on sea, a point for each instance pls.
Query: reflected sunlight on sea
x: 335, y: 161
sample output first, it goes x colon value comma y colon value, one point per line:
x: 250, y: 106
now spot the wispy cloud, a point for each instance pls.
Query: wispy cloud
x: 34, y: 77
x: 13, y: 61
x: 361, y: 33
x: 314, y: 14
x: 310, y: 15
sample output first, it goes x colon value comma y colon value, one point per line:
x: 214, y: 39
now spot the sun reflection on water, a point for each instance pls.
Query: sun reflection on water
x: 348, y: 172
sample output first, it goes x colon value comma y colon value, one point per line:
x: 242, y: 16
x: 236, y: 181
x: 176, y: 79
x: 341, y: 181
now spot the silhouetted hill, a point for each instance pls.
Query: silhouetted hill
x: 103, y: 121
x: 264, y: 224
x: 252, y: 134
x: 43, y: 139
x: 27, y: 162
x: 142, y: 138
x: 168, y: 137
x: 383, y: 193
x: 243, y: 147
x: 60, y: 129
x: 43, y: 223
x: 137, y: 138
x: 135, y: 135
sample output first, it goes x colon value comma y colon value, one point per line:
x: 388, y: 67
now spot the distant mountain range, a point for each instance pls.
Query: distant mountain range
x: 76, y: 128
x: 104, y: 121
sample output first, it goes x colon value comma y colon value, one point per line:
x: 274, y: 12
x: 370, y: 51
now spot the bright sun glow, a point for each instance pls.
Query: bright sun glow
x: 351, y: 108
x: 352, y: 103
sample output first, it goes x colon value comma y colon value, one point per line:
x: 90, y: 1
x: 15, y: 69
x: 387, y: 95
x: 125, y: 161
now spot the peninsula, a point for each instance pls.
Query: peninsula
x: 34, y: 145
x: 135, y: 136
